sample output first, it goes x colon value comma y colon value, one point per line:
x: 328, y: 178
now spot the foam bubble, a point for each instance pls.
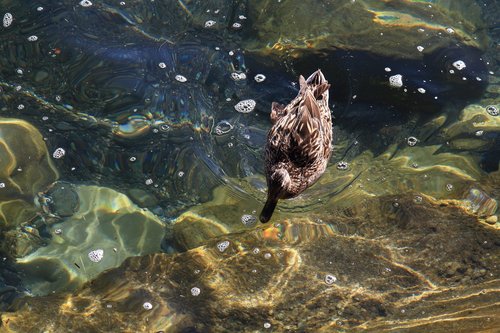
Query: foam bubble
x: 459, y: 64
x: 58, y: 153
x: 96, y: 255
x: 245, y: 106
x: 7, y: 20
x: 396, y: 81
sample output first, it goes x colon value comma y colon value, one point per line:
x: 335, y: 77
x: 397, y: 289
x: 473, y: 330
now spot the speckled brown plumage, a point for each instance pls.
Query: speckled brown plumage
x: 299, y: 142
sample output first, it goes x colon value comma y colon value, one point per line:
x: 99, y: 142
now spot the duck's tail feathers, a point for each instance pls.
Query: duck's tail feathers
x: 268, y: 210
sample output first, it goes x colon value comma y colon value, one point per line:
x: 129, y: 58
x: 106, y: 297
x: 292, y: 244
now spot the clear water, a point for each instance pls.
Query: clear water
x: 131, y: 178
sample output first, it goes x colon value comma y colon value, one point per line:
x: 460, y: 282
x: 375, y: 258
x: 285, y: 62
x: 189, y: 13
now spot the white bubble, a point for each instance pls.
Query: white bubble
x: 267, y: 255
x: 420, y: 48
x: 330, y: 279
x: 162, y: 65
x: 32, y: 38
x: 181, y: 174
x: 85, y: 3
x: 267, y: 325
x: 147, y: 306
x: 421, y: 90
x: 19, y: 71
x: 39, y: 8
x: 396, y: 81
x: 450, y: 30
x: 342, y: 165
x: 195, y: 291
x: 149, y: 181
x: 20, y: 106
x: 412, y: 141
x: 58, y: 231
x: 256, y: 250
x: 223, y: 127
x: 387, y: 69
x: 7, y: 19
x: 449, y: 187
x: 238, y: 76
x: 242, y: 17
x: 459, y: 64
x: 492, y: 110
x: 180, y: 78
x: 122, y: 3
x: 2, y: 185
x: 96, y: 255
x: 236, y: 25
x: 259, y: 78
x: 132, y: 159
x: 245, y: 106
x: 479, y: 133
x: 58, y: 153
x: 222, y: 246
x: 248, y: 220
x: 210, y: 23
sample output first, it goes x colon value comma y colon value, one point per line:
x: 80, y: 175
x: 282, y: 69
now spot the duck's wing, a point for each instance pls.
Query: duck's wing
x: 306, y: 140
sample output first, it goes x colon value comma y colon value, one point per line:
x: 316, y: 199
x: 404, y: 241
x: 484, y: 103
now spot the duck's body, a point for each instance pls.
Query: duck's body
x: 299, y: 142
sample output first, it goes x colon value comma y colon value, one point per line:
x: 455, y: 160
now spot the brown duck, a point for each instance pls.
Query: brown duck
x: 299, y: 142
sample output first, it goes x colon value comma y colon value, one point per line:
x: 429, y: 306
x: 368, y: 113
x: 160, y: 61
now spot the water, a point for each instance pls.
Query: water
x: 131, y: 167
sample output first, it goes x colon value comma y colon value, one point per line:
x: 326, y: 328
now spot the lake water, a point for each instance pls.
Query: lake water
x: 131, y: 179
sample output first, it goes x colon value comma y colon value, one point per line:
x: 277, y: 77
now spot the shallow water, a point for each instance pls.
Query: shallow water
x: 131, y: 180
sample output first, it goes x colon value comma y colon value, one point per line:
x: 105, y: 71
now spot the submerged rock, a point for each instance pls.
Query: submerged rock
x: 369, y: 268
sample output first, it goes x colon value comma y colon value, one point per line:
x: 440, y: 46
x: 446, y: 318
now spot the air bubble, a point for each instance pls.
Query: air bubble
x: 238, y: 76
x: 7, y: 20
x: 479, y: 133
x: 256, y: 250
x: 222, y: 246
x: 418, y: 199
x: 33, y: 38
x: 459, y: 64
x: 20, y: 107
x: 180, y: 78
x: 58, y: 153
x: 242, y: 17
x: 147, y: 306
x: 245, y: 106
x: 492, y: 110
x: 450, y: 30
x: 396, y: 81
x: 39, y: 8
x: 236, y: 25
x: 96, y: 255
x: 148, y: 181
x: 259, y: 78
x: 412, y: 141
x: 267, y: 256
x: 210, y: 23
x: 181, y: 174
x: 420, y: 48
x: 342, y: 165
x: 195, y: 291
x: 2, y: 185
x: 330, y: 279
x: 19, y: 71
x: 387, y: 69
x: 223, y: 127
x: 449, y: 187
x: 248, y: 220
x: 162, y: 65
x: 421, y: 90
x: 85, y: 3
x: 267, y: 325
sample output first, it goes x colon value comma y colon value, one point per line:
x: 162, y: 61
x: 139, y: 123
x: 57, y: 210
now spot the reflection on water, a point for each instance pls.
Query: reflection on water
x: 131, y: 141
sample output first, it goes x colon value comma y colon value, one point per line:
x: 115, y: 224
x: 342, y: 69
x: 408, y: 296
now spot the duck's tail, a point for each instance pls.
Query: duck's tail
x: 268, y: 210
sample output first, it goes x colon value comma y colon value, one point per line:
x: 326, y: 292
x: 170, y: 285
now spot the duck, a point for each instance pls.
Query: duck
x: 298, y: 144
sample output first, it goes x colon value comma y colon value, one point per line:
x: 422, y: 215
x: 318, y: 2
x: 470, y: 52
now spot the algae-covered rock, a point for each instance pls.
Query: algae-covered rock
x: 25, y: 168
x: 390, y: 28
x: 106, y: 229
x: 370, y: 267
